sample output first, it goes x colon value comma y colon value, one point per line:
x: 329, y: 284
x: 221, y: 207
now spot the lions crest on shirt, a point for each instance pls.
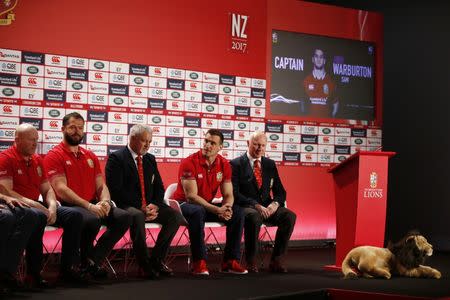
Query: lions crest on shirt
x: 90, y: 163
x: 39, y: 171
x: 219, y: 176
x: 326, y: 90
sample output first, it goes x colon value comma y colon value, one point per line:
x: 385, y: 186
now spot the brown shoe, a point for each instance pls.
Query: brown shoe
x: 276, y: 266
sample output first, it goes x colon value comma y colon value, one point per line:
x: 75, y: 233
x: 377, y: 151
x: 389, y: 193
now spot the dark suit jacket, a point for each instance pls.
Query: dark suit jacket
x: 245, y: 188
x: 123, y: 180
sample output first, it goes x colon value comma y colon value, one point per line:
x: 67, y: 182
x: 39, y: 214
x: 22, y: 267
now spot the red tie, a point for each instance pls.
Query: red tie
x: 257, y: 173
x: 141, y: 180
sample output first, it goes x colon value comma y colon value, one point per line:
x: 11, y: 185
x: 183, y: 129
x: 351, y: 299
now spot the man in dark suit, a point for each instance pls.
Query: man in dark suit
x: 254, y: 178
x: 135, y: 183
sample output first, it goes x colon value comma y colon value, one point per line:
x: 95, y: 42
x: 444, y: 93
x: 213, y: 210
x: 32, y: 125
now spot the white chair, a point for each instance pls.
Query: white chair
x: 208, y: 225
x: 50, y: 251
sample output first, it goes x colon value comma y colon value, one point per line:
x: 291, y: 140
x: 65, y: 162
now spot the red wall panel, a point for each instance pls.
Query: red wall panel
x: 195, y: 35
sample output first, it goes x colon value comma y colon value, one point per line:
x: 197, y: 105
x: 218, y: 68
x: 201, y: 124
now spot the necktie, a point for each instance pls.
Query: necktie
x: 257, y: 172
x: 141, y: 181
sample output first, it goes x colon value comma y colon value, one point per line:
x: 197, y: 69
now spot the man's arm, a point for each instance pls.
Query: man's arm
x: 226, y: 188
x: 191, y: 193
x: 7, y: 184
x: 49, y: 196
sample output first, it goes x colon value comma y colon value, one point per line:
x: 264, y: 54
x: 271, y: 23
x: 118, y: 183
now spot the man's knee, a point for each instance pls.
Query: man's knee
x: 194, y: 212
x: 253, y: 218
x: 40, y: 217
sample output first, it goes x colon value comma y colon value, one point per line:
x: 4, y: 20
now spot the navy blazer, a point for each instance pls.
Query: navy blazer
x: 245, y: 188
x: 123, y: 180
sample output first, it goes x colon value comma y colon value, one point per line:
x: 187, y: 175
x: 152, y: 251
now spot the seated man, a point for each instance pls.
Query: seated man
x: 75, y: 175
x: 200, y: 175
x: 255, y: 177
x: 134, y: 181
x: 17, y: 223
x: 24, y: 178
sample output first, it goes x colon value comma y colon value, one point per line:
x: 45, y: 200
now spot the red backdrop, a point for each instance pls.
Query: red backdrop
x: 195, y: 35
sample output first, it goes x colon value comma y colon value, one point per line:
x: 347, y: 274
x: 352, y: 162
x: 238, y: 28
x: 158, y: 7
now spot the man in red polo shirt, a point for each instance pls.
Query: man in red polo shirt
x: 75, y: 175
x: 199, y: 177
x: 22, y: 175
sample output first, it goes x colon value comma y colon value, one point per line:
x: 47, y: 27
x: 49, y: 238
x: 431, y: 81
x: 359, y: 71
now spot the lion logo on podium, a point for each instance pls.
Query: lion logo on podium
x: 405, y: 258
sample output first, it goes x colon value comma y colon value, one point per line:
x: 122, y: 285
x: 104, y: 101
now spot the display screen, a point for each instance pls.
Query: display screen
x: 321, y: 77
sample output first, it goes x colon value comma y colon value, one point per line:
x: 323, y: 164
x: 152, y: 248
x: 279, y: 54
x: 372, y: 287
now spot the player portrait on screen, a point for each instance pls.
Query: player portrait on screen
x: 320, y: 90
x: 320, y: 77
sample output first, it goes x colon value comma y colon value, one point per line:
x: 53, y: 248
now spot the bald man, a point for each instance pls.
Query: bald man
x: 258, y: 189
x: 23, y: 176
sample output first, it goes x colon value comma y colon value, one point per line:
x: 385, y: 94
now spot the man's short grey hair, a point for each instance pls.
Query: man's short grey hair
x: 256, y: 134
x: 24, y: 127
x: 138, y: 129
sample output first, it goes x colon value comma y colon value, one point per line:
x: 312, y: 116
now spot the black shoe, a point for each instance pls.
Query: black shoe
x: 95, y: 271
x: 73, y: 277
x: 36, y: 282
x: 163, y: 269
x: 150, y: 272
x: 9, y: 284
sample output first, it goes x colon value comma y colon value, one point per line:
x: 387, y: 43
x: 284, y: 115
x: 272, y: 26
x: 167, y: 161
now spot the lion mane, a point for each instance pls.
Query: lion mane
x: 404, y: 258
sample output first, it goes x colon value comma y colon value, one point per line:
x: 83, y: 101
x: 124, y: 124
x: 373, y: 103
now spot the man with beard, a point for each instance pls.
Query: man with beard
x: 23, y: 177
x: 75, y: 175
x: 135, y: 184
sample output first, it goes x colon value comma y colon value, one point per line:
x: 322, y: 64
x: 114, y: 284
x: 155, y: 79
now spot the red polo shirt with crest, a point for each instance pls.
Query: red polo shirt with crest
x: 208, y: 178
x: 80, y: 169
x: 27, y: 176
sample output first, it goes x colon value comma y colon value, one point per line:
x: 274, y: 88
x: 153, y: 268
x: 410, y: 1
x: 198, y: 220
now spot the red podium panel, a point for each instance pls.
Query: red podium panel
x: 360, y: 185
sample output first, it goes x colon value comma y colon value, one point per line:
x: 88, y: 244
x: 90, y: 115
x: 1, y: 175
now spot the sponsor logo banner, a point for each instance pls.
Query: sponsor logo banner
x: 56, y: 72
x: 31, y: 111
x: 9, y: 79
x: 194, y: 75
x: 9, y: 122
x: 10, y: 67
x: 139, y: 69
x: 77, y: 62
x: 99, y: 65
x: 10, y: 55
x: 118, y: 67
x: 32, y: 58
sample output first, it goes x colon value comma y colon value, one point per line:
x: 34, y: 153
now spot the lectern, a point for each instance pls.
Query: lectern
x: 360, y: 185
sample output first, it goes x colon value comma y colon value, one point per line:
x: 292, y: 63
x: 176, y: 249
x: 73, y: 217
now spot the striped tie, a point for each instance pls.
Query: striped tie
x: 141, y: 181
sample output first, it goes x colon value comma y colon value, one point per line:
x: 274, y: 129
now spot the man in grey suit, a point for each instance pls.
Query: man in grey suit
x: 254, y: 178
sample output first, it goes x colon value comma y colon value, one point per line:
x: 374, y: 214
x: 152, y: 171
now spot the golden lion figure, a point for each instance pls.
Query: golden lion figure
x: 404, y: 258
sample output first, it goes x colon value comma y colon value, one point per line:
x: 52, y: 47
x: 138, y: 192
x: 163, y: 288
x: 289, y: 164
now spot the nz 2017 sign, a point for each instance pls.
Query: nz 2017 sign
x: 239, y: 33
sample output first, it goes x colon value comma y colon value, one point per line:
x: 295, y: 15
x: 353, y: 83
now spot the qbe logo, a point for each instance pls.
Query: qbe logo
x: 239, y: 37
x: 7, y: 134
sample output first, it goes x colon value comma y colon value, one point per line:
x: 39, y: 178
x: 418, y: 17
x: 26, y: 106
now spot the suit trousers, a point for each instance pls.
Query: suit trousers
x: 70, y: 220
x: 283, y: 218
x: 170, y: 221
x: 196, y: 216
x: 16, y: 227
x: 34, y: 250
x: 117, y: 222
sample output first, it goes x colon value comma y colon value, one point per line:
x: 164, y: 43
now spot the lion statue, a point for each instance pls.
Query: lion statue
x: 404, y: 258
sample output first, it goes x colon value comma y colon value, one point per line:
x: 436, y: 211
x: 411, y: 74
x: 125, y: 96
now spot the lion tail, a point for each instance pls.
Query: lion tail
x: 347, y: 267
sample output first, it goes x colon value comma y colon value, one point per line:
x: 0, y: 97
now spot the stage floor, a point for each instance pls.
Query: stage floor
x: 306, y: 274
